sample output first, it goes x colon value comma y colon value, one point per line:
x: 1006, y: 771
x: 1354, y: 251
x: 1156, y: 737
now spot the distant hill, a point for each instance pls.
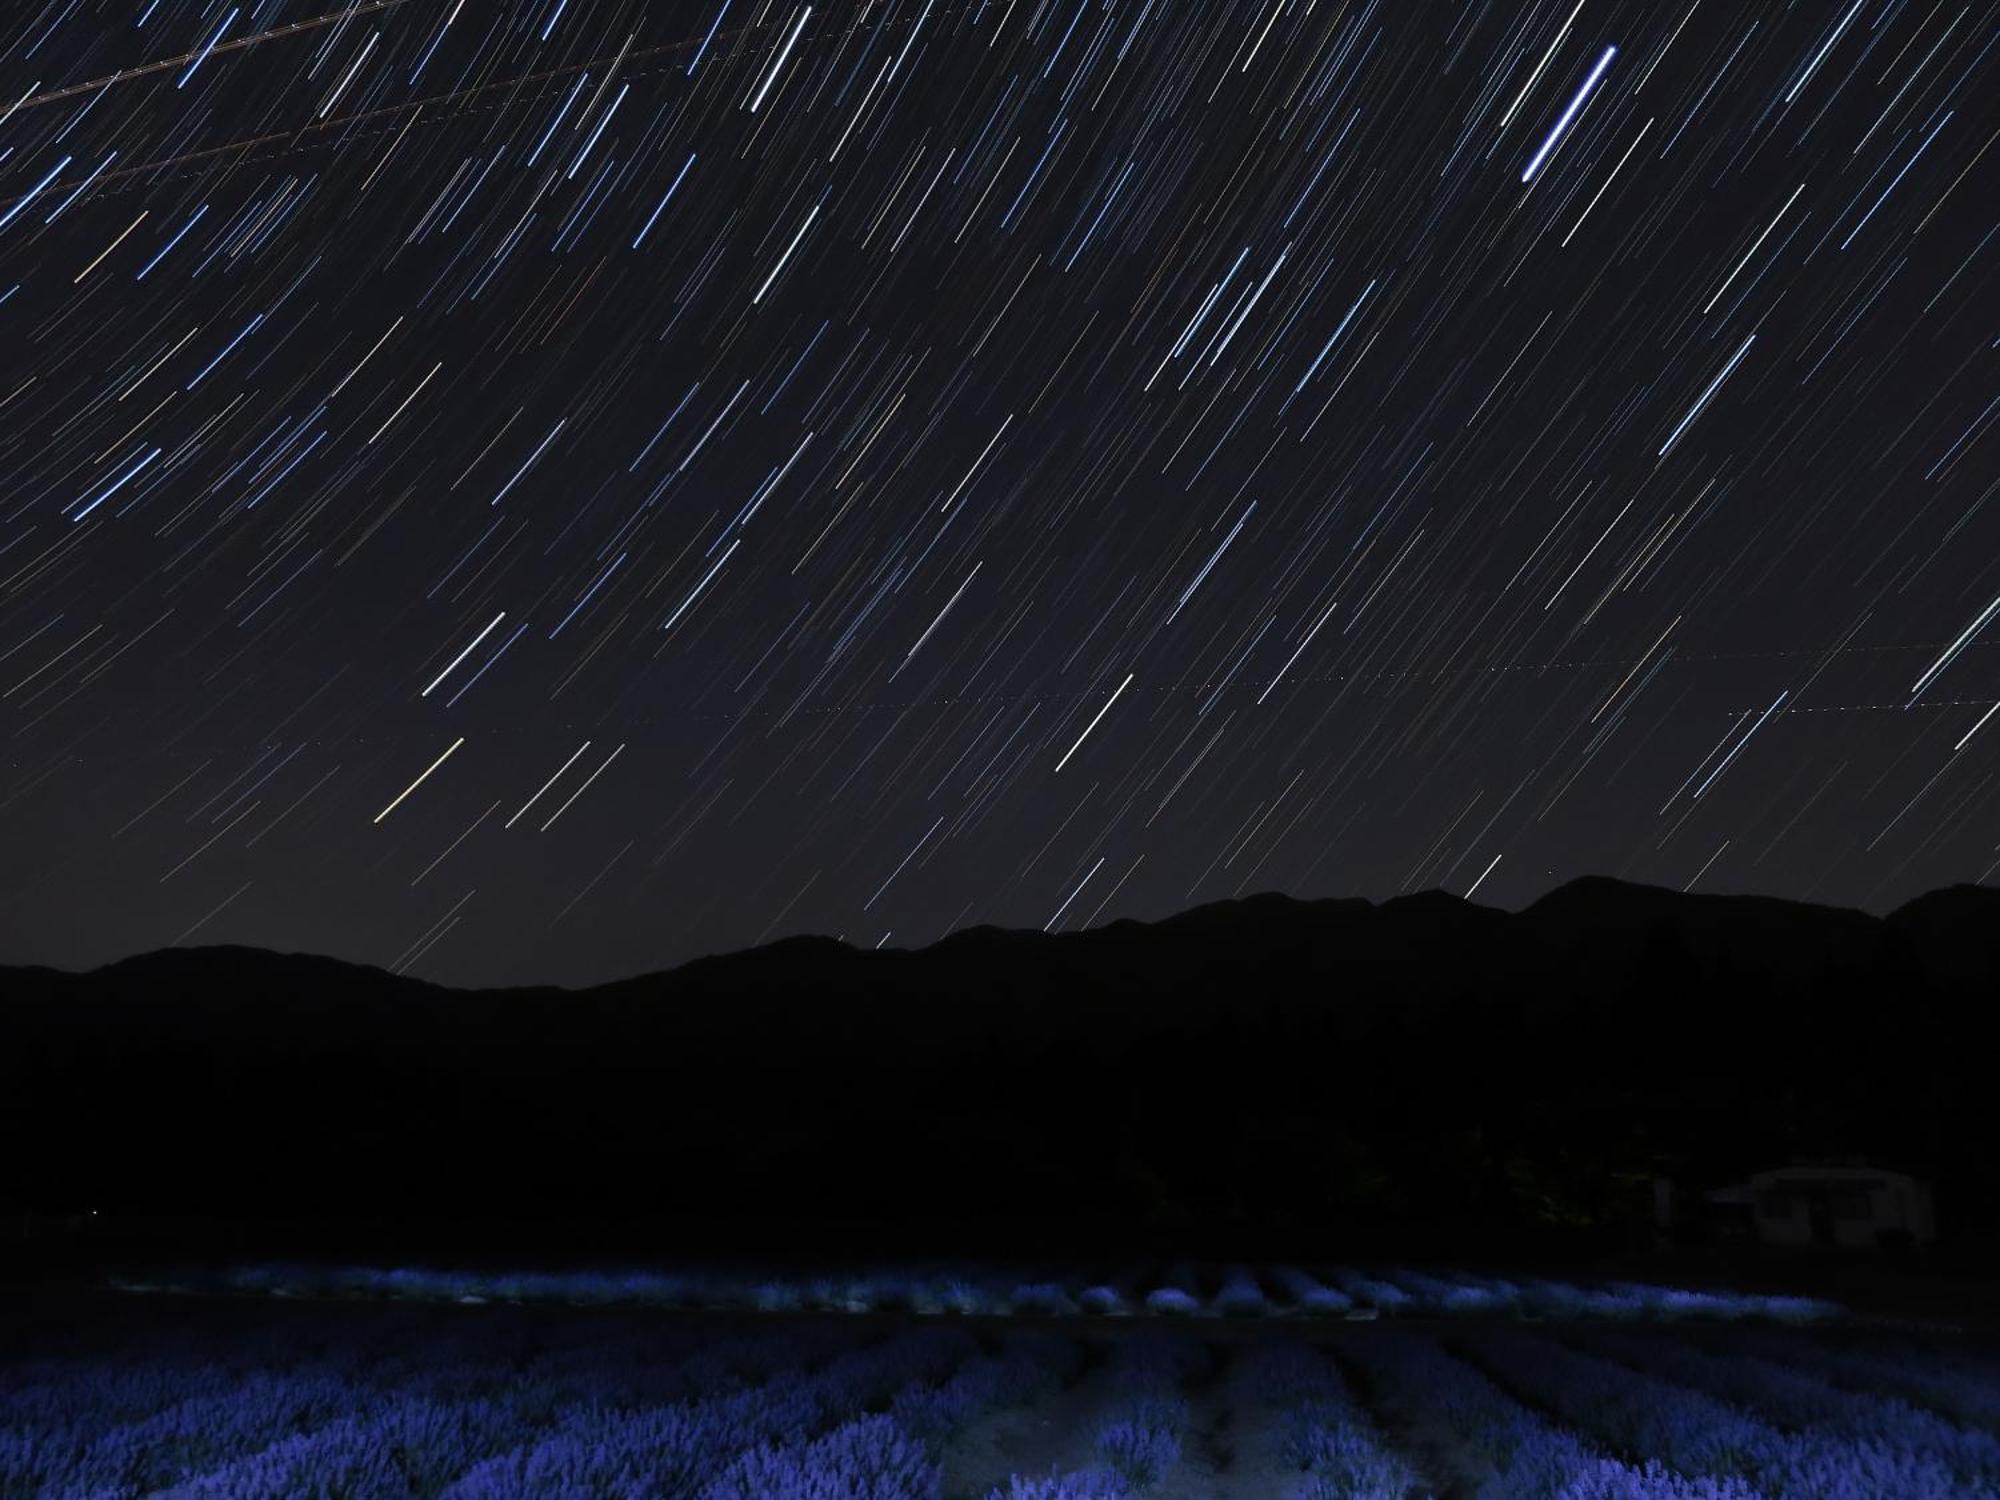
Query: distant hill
x: 1265, y: 1071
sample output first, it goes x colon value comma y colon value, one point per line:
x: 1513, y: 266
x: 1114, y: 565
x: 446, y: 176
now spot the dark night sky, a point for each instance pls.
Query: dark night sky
x: 873, y: 469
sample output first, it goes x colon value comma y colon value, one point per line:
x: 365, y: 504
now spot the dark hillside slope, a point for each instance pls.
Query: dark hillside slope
x: 1262, y: 1070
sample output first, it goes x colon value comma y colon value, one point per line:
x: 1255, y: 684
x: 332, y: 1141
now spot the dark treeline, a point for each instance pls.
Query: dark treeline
x: 1266, y: 1073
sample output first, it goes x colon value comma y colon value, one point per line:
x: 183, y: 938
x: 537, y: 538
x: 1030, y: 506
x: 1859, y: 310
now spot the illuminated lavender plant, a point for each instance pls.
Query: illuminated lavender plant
x: 1506, y: 1451
x: 1372, y: 1291
x: 869, y: 1459
x: 1325, y: 1434
x: 1240, y: 1296
x: 1178, y: 1293
x: 1699, y: 1435
x: 1804, y: 1403
x: 1144, y: 1442
x: 1045, y: 1299
x: 1309, y: 1294
x: 1085, y: 1484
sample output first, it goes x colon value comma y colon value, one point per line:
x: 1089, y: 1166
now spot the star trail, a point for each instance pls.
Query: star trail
x: 537, y: 492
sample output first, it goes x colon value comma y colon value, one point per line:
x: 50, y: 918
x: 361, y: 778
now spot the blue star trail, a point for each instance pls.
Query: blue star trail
x: 955, y: 461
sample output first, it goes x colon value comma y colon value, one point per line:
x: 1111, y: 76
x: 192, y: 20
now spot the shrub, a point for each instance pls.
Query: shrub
x: 872, y: 1459
x: 962, y: 1297
x: 1042, y: 1299
x: 1085, y: 1484
x: 1240, y: 1296
x: 777, y: 1297
x: 1144, y: 1444
x: 1308, y: 1294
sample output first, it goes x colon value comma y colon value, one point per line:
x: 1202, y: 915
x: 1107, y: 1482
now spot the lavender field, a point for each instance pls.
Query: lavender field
x: 233, y: 1397
x: 965, y: 1289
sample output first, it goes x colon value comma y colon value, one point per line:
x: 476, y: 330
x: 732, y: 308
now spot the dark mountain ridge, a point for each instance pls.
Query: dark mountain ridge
x: 1258, y: 1071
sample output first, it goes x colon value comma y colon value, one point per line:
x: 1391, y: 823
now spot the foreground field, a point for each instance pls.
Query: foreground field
x: 233, y: 1399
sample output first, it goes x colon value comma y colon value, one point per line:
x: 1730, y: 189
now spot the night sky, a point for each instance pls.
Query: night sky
x: 537, y: 492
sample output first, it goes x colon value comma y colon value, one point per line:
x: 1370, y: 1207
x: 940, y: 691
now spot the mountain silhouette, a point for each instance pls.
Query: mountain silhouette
x: 1260, y: 1072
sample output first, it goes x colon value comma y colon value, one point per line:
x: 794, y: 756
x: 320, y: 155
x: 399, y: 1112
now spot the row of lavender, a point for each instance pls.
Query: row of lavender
x: 1043, y: 1291
x: 360, y: 1403
x: 236, y: 1402
x: 1330, y: 1448
x: 1586, y: 1417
